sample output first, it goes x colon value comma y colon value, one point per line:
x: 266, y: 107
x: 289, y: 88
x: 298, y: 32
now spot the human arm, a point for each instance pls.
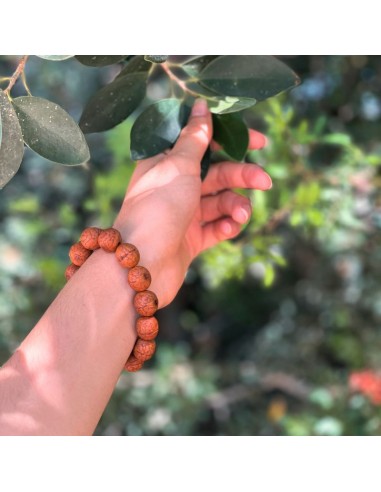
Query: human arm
x: 61, y: 377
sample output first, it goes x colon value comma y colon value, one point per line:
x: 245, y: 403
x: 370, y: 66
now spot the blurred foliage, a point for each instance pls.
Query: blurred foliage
x: 267, y: 329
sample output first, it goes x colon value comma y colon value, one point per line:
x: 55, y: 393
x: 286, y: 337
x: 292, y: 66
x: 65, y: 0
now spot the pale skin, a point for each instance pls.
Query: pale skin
x: 61, y: 378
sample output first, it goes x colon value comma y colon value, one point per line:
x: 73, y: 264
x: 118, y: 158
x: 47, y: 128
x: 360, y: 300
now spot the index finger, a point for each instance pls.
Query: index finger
x: 227, y: 175
x: 195, y: 137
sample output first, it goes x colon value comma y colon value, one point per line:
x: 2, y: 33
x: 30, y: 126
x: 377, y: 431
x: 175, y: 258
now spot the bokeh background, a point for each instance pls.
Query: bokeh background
x: 275, y: 333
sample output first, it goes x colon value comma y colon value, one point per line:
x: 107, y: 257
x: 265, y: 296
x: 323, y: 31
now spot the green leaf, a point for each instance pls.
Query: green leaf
x: 113, y: 103
x: 136, y: 64
x: 205, y: 163
x: 228, y: 104
x: 50, y: 131
x: 217, y: 103
x: 55, y: 57
x: 99, y: 60
x: 257, y: 77
x: 156, y: 58
x: 158, y: 128
x: 12, y: 145
x: 198, y: 63
x: 232, y: 134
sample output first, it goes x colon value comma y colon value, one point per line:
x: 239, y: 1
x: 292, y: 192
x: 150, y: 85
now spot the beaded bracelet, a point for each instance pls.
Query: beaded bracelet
x: 139, y: 279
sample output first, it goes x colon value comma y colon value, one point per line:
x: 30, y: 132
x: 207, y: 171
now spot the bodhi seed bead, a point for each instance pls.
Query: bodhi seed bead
x: 147, y: 328
x: 144, y: 349
x: 109, y: 239
x: 127, y: 255
x: 146, y: 303
x: 133, y: 364
x: 78, y: 254
x: 70, y: 271
x: 139, y: 278
x: 89, y: 238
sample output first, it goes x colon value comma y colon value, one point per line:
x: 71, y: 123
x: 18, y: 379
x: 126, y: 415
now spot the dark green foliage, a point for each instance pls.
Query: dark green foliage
x: 11, y: 141
x: 50, y: 131
x: 114, y: 103
x: 232, y: 134
x: 229, y: 84
x: 258, y: 77
x: 158, y: 128
x: 99, y: 60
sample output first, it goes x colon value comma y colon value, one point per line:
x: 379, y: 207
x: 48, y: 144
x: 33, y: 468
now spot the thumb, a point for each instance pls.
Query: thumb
x: 196, y: 136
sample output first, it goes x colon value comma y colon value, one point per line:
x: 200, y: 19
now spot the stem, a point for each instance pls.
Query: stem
x: 19, y: 70
x: 179, y: 82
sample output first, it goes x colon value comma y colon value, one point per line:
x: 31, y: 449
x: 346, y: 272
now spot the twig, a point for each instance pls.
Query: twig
x: 19, y: 70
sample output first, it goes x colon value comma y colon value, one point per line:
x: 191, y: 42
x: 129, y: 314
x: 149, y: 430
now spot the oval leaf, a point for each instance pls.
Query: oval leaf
x: 50, y: 131
x: 257, y: 77
x: 55, y: 57
x: 158, y: 128
x: 228, y: 104
x: 113, y: 103
x: 156, y: 58
x: 99, y: 60
x: 12, y: 145
x: 232, y: 134
x: 135, y: 65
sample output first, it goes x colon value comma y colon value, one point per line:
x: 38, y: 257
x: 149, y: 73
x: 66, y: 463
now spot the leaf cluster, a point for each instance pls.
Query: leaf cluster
x: 230, y: 84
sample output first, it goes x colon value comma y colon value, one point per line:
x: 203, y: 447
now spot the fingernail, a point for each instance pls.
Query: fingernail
x: 246, y: 212
x: 269, y: 180
x: 200, y: 108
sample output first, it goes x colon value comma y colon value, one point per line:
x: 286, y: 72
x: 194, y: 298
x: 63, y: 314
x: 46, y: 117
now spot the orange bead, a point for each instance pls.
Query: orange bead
x: 89, y: 238
x: 109, y: 239
x: 139, y: 278
x: 133, y: 364
x: 70, y: 271
x: 146, y: 303
x: 78, y: 254
x: 144, y: 349
x: 127, y: 255
x: 147, y: 328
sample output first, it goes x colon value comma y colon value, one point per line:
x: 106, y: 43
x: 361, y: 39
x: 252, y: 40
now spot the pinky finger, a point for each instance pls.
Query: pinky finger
x: 218, y: 231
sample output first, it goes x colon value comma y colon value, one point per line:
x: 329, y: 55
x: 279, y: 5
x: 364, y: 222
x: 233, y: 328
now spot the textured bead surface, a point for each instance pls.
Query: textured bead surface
x: 146, y: 303
x: 139, y: 278
x: 70, y: 271
x: 78, y: 254
x: 127, y: 255
x: 133, y: 364
x: 144, y: 349
x: 147, y: 327
x: 109, y: 239
x: 89, y: 238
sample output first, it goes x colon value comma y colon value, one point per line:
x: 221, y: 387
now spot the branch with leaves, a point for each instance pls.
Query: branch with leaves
x: 230, y: 84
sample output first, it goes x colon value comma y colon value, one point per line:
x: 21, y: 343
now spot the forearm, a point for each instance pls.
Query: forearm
x: 60, y: 379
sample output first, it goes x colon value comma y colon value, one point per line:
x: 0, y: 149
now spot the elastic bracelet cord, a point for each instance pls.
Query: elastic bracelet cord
x: 139, y: 279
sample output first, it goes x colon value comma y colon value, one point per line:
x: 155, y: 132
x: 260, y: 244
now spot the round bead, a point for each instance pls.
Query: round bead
x: 144, y: 349
x: 133, y: 364
x: 78, y: 254
x: 70, y: 271
x: 147, y: 328
x: 127, y: 255
x: 89, y: 238
x: 139, y: 278
x: 109, y: 239
x: 146, y: 303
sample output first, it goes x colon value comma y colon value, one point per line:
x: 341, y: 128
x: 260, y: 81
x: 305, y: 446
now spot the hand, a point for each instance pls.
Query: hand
x: 171, y: 216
